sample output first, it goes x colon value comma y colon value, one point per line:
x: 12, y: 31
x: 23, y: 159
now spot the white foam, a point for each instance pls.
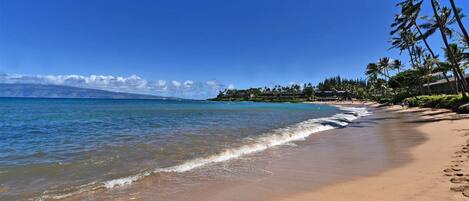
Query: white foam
x: 277, y: 137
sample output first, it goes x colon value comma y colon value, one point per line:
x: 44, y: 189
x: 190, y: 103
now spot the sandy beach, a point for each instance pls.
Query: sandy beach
x: 438, y: 166
x: 395, y: 154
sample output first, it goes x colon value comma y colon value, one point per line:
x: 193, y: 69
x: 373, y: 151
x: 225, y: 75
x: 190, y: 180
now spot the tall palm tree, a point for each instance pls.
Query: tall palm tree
x: 410, y: 11
x: 458, y: 52
x: 458, y: 17
x: 442, y: 26
x: 404, y: 24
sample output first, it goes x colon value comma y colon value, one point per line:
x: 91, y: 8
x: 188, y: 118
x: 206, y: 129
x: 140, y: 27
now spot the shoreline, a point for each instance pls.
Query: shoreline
x: 354, y: 163
x: 277, y: 138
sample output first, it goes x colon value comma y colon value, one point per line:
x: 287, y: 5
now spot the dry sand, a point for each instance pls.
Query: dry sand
x: 437, y: 164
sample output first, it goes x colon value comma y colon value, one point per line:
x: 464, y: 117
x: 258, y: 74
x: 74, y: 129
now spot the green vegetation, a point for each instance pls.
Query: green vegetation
x: 335, y: 88
x: 437, y: 101
x: 427, y: 77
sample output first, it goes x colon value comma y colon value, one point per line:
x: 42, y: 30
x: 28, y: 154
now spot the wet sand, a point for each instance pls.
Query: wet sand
x: 393, y: 154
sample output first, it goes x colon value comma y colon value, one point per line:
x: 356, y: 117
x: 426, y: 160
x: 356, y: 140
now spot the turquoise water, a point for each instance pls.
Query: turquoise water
x: 58, y: 146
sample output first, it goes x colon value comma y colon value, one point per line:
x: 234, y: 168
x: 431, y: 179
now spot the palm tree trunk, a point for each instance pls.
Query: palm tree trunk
x: 424, y: 40
x: 411, y: 57
x: 432, y: 53
x: 410, y: 53
x: 458, y: 19
x: 462, y: 79
x: 454, y: 90
x: 387, y: 74
x: 456, y: 80
x: 450, y: 53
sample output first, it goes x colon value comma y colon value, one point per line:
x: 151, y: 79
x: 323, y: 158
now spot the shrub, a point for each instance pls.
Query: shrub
x: 436, y: 101
x: 385, y: 100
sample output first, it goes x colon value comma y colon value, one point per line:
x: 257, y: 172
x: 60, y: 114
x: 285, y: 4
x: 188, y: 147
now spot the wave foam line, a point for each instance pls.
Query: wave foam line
x: 277, y: 137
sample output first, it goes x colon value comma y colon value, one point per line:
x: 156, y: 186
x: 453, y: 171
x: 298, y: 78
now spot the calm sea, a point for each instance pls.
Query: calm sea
x: 56, y: 147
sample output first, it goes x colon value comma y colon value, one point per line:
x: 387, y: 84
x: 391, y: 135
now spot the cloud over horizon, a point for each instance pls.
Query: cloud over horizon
x: 131, y: 84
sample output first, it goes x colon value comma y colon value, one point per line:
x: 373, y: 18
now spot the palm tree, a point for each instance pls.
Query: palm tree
x: 372, y: 71
x: 458, y: 53
x: 405, y: 41
x: 461, y: 62
x: 442, y: 26
x: 396, y: 65
x: 384, y: 66
x: 458, y: 17
x: 405, y: 22
x: 410, y: 11
x: 427, y: 69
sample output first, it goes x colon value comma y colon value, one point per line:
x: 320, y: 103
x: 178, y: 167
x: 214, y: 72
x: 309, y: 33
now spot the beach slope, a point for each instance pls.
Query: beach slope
x: 435, y: 166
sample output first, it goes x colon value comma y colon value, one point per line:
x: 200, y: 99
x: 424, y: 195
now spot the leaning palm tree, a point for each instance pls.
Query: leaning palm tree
x: 407, y: 19
x: 458, y: 53
x: 405, y: 23
x: 441, y: 22
x: 458, y: 15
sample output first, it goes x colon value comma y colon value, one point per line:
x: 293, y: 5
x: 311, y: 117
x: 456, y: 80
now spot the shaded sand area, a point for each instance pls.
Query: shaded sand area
x: 393, y: 154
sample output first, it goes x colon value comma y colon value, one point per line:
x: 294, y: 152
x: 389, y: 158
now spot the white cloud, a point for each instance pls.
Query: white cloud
x: 188, y: 83
x: 211, y: 83
x: 231, y: 86
x: 131, y: 84
x: 176, y: 83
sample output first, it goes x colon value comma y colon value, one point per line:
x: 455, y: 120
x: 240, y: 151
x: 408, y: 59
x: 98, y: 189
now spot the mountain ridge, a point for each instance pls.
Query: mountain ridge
x: 25, y: 90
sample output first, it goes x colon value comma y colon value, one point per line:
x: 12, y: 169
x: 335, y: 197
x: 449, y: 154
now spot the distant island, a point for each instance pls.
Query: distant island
x: 59, y: 91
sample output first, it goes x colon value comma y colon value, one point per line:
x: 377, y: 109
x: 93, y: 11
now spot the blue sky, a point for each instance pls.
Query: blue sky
x: 246, y: 43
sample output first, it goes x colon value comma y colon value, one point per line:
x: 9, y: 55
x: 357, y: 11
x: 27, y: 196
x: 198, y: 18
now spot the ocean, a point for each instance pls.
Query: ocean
x: 54, y: 148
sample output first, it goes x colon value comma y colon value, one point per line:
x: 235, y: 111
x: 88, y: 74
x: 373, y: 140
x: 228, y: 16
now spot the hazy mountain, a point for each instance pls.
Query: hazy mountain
x: 58, y: 91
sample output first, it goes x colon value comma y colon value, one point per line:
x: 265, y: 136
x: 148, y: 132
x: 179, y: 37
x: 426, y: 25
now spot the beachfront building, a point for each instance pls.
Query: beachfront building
x: 442, y: 86
x: 332, y: 95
